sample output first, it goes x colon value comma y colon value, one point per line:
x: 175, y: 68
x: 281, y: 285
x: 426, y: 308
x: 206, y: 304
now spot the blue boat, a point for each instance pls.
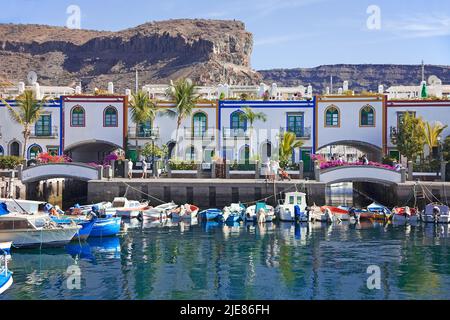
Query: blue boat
x: 105, y: 227
x: 6, y: 279
x: 211, y: 215
x: 86, y: 226
x: 234, y: 213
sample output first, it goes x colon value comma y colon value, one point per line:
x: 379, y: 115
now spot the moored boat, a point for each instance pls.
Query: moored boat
x: 293, y: 207
x: 6, y: 279
x: 106, y: 227
x: 377, y: 211
x: 122, y: 207
x: 85, y: 209
x: 316, y: 213
x: 436, y: 213
x: 339, y: 213
x: 402, y: 215
x: 260, y: 212
x: 212, y: 214
x: 189, y: 211
x: 159, y: 212
x: 5, y: 247
x: 233, y: 213
x: 86, y: 226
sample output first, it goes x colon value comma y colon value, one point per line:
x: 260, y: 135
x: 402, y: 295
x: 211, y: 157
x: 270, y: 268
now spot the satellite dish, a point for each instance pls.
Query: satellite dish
x: 32, y: 78
x: 433, y: 80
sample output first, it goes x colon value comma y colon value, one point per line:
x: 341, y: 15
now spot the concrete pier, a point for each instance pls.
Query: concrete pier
x: 205, y: 193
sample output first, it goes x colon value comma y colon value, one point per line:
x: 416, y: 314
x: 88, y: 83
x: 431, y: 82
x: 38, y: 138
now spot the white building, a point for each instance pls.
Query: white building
x: 435, y: 88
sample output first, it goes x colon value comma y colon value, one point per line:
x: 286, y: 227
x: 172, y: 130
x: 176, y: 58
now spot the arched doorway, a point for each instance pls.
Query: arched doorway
x: 350, y: 150
x: 14, y: 149
x: 266, y: 151
x: 244, y: 155
x: 170, y: 149
x: 90, y: 150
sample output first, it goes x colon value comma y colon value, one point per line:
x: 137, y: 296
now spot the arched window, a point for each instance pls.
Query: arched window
x: 244, y: 154
x: 2, y: 152
x: 199, y: 124
x: 33, y: 151
x: 110, y: 117
x: 367, y: 116
x: 237, y: 121
x: 77, y: 117
x: 190, y: 153
x: 332, y: 118
x: 14, y: 149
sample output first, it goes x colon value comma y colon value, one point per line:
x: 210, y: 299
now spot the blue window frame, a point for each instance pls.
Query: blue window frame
x: 296, y: 124
x: 238, y: 121
x: 110, y: 117
x: 199, y: 124
x: 145, y: 129
x: 43, y: 126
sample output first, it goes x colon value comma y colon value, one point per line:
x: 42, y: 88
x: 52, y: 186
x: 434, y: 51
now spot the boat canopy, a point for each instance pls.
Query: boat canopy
x: 3, y: 209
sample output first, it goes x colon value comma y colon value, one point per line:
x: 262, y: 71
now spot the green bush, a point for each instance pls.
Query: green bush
x: 433, y: 166
x: 9, y: 162
x: 182, y: 165
x: 388, y: 160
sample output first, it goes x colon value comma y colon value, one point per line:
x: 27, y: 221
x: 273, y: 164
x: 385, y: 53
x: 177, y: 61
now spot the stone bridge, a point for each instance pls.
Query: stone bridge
x: 70, y: 170
x: 361, y: 173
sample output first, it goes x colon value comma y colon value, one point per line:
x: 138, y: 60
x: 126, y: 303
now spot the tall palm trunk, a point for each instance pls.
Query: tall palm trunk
x: 26, y: 135
x: 176, y: 137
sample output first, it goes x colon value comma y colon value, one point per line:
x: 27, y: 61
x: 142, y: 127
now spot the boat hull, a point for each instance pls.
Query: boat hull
x: 6, y: 280
x: 38, y: 238
x: 86, y: 227
x: 430, y: 219
x: 5, y: 247
x: 106, y: 227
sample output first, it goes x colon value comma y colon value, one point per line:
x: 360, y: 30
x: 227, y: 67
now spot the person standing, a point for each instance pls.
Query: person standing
x: 144, y: 169
x: 130, y: 169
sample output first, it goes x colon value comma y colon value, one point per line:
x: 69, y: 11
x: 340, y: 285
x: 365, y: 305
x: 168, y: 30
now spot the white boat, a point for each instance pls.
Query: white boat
x: 159, y: 212
x: 320, y: 214
x: 23, y: 206
x: 235, y: 212
x: 403, y: 215
x: 5, y: 247
x: 260, y: 212
x: 6, y: 279
x: 34, y: 230
x: 122, y: 207
x: 429, y: 216
x: 85, y: 209
x: 293, y: 207
x: 187, y: 212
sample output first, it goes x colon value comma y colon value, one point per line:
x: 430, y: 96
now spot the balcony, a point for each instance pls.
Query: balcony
x: 304, y: 133
x: 197, y: 134
x: 231, y: 133
x: 45, y: 132
x: 144, y: 134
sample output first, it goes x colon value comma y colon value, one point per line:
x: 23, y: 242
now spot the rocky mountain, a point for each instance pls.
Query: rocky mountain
x: 361, y: 77
x: 207, y: 51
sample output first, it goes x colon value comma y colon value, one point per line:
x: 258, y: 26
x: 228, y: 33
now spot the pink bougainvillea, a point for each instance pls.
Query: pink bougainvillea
x: 337, y: 163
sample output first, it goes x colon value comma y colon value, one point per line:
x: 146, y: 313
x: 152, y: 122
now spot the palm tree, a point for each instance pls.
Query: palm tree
x: 142, y: 110
x: 27, y: 111
x: 251, y: 116
x: 287, y: 144
x: 182, y: 93
x: 432, y: 133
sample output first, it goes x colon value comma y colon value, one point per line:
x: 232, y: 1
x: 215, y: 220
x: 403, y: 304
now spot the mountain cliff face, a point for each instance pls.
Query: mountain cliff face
x: 207, y: 51
x: 361, y: 77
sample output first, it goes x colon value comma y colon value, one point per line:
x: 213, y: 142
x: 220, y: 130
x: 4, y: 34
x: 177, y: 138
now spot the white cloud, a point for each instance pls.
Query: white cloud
x: 420, y: 25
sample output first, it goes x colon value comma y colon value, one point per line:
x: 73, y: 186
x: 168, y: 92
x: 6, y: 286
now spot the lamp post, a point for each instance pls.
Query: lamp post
x: 153, y: 138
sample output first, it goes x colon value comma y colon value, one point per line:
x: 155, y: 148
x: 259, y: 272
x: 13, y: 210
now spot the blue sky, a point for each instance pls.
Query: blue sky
x: 287, y: 33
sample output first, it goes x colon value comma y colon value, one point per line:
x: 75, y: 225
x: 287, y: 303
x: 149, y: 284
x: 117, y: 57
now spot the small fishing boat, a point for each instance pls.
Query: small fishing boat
x: 340, y: 213
x: 5, y: 247
x: 378, y: 211
x: 86, y: 226
x: 23, y: 206
x: 34, y: 230
x: 106, y: 227
x: 293, y: 207
x: 6, y: 279
x: 234, y: 212
x: 260, y: 212
x: 211, y: 215
x: 188, y: 212
x: 160, y: 212
x: 85, y: 209
x: 402, y: 215
x: 316, y: 213
x: 122, y: 207
x: 436, y: 213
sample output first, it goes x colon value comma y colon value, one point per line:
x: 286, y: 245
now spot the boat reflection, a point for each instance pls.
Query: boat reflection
x: 107, y: 247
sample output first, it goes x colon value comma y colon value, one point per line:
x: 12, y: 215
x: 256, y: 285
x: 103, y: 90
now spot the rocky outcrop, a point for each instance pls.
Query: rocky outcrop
x: 361, y: 77
x: 207, y: 51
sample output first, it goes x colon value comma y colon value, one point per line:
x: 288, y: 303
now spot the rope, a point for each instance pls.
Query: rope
x: 142, y: 192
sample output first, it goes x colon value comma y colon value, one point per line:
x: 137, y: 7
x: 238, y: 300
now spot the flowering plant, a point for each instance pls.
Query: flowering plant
x: 337, y: 163
x: 45, y: 157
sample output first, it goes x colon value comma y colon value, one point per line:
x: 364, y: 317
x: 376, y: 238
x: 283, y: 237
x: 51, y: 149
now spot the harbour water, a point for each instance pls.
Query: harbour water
x: 244, y: 261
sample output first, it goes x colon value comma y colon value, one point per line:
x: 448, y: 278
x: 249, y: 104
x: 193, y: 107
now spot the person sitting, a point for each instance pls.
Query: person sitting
x: 94, y: 213
x: 53, y: 212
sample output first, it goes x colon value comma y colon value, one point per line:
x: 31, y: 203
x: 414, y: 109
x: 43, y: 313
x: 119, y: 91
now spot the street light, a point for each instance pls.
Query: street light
x: 153, y: 138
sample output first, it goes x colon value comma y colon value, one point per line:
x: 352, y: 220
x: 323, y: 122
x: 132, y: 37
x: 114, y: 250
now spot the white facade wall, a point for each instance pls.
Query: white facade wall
x: 11, y: 131
x: 94, y: 129
x: 349, y: 128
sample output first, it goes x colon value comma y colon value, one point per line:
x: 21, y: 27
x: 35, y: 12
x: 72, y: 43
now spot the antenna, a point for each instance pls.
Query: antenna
x: 331, y: 84
x: 423, y: 72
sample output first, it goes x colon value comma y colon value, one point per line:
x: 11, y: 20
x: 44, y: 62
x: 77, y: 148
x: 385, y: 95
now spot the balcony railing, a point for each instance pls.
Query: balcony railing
x: 235, y: 133
x: 145, y: 133
x: 45, y: 132
x: 304, y: 133
x: 195, y: 133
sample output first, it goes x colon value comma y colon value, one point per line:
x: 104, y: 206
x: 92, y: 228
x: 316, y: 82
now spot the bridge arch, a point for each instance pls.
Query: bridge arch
x: 357, y: 173
x: 373, y: 152
x: 69, y: 170
x: 91, y: 150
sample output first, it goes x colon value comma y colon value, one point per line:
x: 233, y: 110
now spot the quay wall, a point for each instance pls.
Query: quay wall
x: 206, y: 193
